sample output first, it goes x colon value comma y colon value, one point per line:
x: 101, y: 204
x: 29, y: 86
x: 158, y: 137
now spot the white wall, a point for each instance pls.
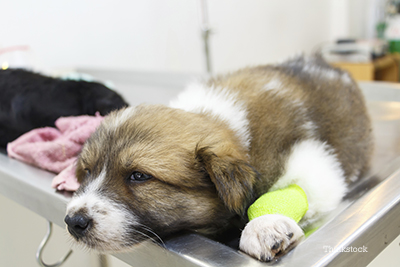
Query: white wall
x: 258, y: 32
x: 164, y: 35
x: 21, y: 232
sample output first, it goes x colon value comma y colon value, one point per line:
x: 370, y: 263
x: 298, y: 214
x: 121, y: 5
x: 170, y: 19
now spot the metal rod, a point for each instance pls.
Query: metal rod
x: 205, y: 32
x: 43, y: 244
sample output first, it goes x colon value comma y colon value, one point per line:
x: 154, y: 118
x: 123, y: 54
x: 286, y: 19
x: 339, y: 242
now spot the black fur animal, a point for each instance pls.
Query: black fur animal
x: 29, y: 100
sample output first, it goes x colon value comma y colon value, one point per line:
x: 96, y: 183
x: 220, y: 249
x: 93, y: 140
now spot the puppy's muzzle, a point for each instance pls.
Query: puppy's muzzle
x: 78, y: 225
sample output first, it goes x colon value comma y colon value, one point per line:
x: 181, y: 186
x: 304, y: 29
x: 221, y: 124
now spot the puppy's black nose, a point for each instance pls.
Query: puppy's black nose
x: 78, y: 225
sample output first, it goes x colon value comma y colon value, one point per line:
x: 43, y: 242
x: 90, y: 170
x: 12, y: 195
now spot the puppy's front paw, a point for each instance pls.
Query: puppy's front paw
x: 267, y: 235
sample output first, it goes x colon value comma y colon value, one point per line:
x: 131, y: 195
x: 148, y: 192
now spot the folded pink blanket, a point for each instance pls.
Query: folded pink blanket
x: 54, y: 149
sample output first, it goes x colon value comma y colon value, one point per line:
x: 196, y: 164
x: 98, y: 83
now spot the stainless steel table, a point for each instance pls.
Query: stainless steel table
x: 369, y: 217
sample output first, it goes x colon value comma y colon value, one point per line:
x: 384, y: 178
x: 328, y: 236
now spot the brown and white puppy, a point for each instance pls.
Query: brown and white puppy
x: 154, y: 170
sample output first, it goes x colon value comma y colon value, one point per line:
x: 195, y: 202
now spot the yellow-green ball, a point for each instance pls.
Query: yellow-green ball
x: 290, y: 201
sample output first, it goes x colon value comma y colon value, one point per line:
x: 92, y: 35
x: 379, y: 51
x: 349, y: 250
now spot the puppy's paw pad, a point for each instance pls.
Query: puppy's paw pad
x: 268, y: 235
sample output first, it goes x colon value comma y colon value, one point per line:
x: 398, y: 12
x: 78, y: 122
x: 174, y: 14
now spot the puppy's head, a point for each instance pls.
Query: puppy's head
x: 150, y: 171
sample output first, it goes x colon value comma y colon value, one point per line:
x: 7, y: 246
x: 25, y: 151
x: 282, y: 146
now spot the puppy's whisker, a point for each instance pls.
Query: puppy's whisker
x: 149, y: 237
x: 148, y: 229
x: 156, y: 235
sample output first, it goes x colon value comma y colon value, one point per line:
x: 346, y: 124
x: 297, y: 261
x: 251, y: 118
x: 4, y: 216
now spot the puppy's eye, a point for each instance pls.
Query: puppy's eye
x: 139, y: 176
x: 87, y: 171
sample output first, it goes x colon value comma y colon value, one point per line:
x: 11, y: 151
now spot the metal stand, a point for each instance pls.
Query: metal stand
x: 205, y: 32
x: 43, y: 244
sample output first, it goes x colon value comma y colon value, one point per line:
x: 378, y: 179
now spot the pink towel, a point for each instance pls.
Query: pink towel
x: 54, y: 149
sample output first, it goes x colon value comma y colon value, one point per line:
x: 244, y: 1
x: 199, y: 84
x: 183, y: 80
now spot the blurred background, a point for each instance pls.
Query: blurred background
x: 167, y: 36
x: 181, y: 36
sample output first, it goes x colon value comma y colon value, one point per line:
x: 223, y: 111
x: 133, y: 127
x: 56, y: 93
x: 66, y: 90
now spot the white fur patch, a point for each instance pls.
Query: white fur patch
x: 97, y: 183
x: 329, y: 74
x: 314, y: 167
x: 309, y: 65
x: 310, y: 128
x: 110, y: 218
x: 121, y: 117
x: 267, y: 235
x: 274, y: 83
x: 91, y: 189
x: 346, y: 78
x: 355, y: 176
x: 219, y: 102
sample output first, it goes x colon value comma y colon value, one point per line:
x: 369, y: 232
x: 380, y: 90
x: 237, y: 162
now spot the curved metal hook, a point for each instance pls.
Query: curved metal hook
x: 43, y: 244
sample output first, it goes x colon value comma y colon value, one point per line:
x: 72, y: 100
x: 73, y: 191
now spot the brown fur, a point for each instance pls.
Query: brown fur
x: 203, y: 175
x: 338, y: 109
x: 182, y: 187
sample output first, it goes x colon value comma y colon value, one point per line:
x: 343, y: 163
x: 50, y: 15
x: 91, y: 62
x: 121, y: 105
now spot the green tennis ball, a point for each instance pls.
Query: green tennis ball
x: 290, y: 201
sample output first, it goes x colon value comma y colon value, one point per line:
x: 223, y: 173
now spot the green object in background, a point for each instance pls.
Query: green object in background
x: 380, y: 30
x: 394, y: 46
x: 290, y: 201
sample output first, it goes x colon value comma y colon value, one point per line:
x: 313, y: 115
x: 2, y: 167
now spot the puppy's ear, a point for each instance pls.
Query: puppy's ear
x: 233, y: 178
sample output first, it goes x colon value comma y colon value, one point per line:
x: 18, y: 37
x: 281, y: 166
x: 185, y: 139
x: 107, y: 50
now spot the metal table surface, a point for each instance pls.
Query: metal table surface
x: 369, y: 216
